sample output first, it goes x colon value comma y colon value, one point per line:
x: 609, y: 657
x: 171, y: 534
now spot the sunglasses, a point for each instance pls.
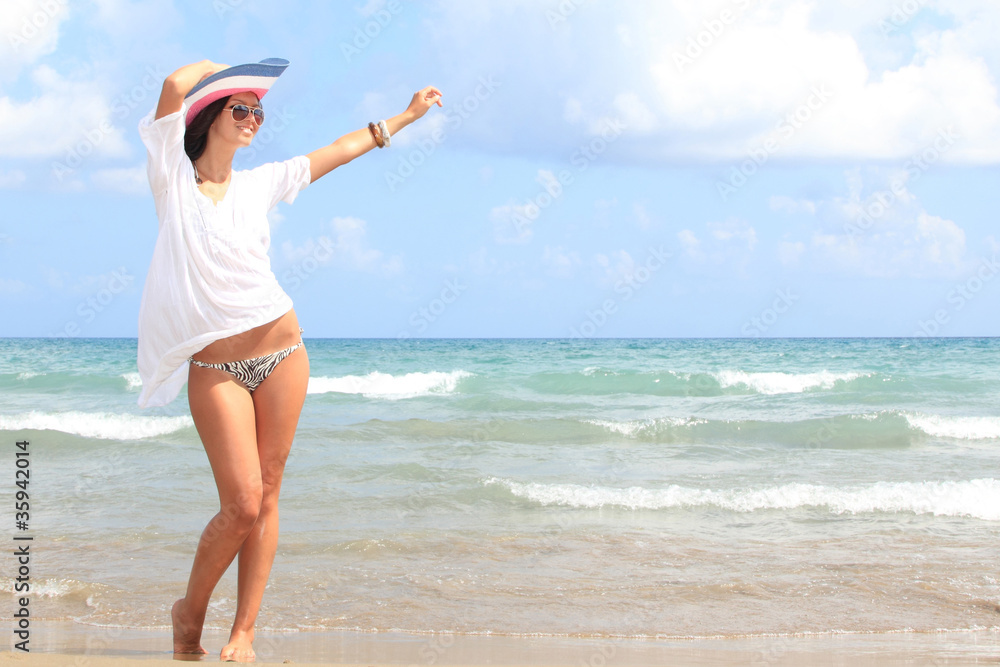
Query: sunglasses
x: 241, y: 111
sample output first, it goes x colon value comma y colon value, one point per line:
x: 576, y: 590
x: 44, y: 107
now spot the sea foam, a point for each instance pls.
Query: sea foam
x: 102, y: 425
x: 636, y: 427
x: 958, y: 428
x: 133, y: 382
x: 782, y: 383
x: 392, y: 387
x: 978, y: 498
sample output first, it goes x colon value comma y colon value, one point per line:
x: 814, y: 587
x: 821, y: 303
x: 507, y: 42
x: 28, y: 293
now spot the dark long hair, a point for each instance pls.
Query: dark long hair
x: 196, y: 136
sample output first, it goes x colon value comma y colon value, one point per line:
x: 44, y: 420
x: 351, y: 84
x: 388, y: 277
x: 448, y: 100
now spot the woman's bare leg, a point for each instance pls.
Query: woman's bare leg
x: 277, y: 406
x: 223, y: 413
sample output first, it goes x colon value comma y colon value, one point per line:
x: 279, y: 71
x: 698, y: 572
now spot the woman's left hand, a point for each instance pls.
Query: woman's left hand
x: 423, y: 100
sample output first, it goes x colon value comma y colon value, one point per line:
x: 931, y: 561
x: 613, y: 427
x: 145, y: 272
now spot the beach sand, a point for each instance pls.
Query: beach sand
x: 61, y: 644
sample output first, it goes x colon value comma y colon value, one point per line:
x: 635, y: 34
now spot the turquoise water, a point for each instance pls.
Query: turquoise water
x: 567, y: 487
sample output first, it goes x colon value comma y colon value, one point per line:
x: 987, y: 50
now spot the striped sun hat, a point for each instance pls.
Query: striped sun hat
x: 253, y: 77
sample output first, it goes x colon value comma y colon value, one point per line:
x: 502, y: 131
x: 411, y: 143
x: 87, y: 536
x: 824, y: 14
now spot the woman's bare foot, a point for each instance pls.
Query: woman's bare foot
x: 239, y: 648
x: 187, y: 630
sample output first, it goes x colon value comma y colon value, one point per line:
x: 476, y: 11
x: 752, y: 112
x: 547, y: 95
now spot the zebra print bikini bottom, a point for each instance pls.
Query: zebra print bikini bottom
x: 252, y: 372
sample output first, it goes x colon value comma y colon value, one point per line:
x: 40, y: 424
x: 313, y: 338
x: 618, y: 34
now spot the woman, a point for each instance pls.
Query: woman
x: 214, y: 315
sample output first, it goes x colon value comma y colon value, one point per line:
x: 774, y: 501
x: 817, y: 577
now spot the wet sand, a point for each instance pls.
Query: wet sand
x: 61, y: 644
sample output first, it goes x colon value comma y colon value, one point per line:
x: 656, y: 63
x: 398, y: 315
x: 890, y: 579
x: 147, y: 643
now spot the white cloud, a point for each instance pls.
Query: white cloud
x: 618, y: 266
x: 370, y: 7
x: 294, y: 253
x: 642, y: 218
x: 882, y: 98
x: 734, y: 230
x: 559, y: 262
x: 347, y: 249
x: 941, y: 242
x: 274, y: 218
x: 634, y: 113
x: 880, y: 229
x: 67, y: 108
x: 30, y: 30
x: 761, y: 70
x: 42, y: 127
x: 512, y: 223
x: 728, y: 243
x: 690, y: 244
x: 481, y: 263
x: 353, y: 250
x: 790, y: 252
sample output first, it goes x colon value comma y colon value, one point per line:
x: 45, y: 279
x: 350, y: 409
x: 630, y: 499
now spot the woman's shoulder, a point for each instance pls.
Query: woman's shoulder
x: 272, y: 170
x: 277, y: 181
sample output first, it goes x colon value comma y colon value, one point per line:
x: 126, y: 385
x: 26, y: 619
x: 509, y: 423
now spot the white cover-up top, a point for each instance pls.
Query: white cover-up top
x: 210, y: 276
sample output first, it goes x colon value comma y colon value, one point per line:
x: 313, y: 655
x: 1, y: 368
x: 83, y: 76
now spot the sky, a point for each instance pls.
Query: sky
x: 733, y: 168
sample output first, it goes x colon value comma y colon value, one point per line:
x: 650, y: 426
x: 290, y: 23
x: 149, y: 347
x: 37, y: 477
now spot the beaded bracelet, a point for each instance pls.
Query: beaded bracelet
x: 376, y: 135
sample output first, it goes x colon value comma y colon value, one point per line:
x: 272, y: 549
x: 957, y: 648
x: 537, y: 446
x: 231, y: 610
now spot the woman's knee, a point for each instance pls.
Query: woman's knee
x: 239, y: 513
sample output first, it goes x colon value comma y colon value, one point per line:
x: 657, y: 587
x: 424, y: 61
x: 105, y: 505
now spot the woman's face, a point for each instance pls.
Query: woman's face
x: 240, y: 132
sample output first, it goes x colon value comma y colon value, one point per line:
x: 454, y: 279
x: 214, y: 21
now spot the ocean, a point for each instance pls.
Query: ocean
x: 577, y: 488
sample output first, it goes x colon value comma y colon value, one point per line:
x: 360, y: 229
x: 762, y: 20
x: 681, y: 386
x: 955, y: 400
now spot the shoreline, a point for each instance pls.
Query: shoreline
x: 61, y: 643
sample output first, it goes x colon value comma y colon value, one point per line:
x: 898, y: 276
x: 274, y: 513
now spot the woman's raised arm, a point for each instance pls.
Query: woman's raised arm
x: 179, y: 84
x: 359, y: 142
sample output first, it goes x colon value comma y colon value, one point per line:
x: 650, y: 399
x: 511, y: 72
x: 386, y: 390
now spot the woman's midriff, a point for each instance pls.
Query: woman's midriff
x: 264, y: 339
